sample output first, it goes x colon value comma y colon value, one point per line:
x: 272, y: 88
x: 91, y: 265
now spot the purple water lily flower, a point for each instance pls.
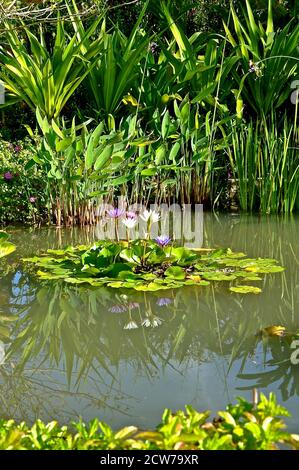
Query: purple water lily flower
x: 32, y: 199
x: 8, y: 176
x: 115, y: 213
x: 117, y: 308
x: 133, y: 305
x: 163, y: 301
x: 163, y: 240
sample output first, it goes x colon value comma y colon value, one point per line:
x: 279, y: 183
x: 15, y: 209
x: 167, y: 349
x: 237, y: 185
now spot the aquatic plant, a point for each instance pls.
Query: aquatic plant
x: 243, y: 426
x: 143, y: 265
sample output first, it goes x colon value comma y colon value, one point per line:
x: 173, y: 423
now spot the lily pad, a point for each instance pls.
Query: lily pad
x: 246, y: 289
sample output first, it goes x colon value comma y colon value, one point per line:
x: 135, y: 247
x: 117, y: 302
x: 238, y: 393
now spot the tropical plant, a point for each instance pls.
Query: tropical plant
x: 117, y: 65
x: 77, y: 166
x: 268, y: 60
x: 43, y: 79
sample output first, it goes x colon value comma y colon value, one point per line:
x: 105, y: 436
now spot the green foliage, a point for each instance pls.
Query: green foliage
x: 265, y: 84
x: 41, y: 78
x: 170, y: 112
x: 22, y: 198
x: 117, y: 65
x: 265, y: 165
x: 144, y: 266
x: 241, y: 427
x: 5, y: 247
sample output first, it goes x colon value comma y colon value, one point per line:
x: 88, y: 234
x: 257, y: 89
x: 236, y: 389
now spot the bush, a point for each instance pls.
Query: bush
x: 240, y: 427
x: 22, y: 192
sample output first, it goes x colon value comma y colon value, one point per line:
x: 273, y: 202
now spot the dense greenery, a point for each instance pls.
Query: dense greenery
x: 159, y: 111
x: 243, y: 426
x: 147, y: 266
x: 5, y: 246
x: 22, y: 190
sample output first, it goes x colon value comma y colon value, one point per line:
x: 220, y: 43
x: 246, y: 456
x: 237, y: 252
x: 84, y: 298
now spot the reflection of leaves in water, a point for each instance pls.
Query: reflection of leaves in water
x: 40, y: 393
x: 281, y: 370
x: 190, y: 333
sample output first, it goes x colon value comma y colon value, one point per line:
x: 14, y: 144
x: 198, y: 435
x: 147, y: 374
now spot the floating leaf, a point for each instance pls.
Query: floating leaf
x: 175, y: 272
x: 246, y: 289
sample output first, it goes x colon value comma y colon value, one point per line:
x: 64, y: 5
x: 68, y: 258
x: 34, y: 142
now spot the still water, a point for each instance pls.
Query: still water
x: 68, y: 352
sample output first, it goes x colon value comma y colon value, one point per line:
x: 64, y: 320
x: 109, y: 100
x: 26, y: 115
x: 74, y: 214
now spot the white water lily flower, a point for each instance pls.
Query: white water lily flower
x: 129, y: 222
x: 156, y: 321
x: 132, y: 325
x: 150, y: 215
x: 153, y: 322
x: 145, y: 215
x: 155, y: 216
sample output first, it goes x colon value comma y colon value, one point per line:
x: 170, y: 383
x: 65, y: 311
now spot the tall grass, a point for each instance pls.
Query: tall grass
x: 264, y: 162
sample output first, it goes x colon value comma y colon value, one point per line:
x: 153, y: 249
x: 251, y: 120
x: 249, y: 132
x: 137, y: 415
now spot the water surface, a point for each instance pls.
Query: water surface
x: 69, y: 352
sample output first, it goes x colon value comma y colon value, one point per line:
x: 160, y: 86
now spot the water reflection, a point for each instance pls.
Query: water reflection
x: 123, y: 356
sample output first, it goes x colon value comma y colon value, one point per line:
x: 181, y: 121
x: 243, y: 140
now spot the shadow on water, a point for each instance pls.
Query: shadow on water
x: 124, y: 356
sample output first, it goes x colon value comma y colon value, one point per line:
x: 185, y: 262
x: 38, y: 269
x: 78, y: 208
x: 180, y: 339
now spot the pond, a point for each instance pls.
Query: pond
x: 70, y: 351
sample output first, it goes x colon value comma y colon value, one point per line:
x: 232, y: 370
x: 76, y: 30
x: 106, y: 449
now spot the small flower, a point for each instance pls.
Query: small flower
x: 117, y: 309
x: 133, y: 305
x: 150, y: 215
x: 8, y: 176
x: 129, y: 223
x: 131, y: 325
x: 155, y: 217
x: 17, y: 148
x: 152, y: 322
x: 163, y: 240
x: 163, y: 301
x: 32, y: 199
x: 115, y: 213
x: 194, y: 278
x: 153, y: 47
x: 156, y: 321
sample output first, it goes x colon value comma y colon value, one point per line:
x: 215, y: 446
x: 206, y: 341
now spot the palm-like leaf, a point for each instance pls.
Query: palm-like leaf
x: 42, y: 79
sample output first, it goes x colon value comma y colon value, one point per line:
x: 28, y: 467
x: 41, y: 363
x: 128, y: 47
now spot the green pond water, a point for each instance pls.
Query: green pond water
x: 69, y: 352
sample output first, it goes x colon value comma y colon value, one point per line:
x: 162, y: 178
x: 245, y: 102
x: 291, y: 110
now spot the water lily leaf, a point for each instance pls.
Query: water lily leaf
x: 116, y: 284
x: 175, y: 272
x: 127, y: 275
x: 246, y: 289
x: 218, y: 276
x: 234, y: 255
x: 74, y: 280
x: 269, y: 269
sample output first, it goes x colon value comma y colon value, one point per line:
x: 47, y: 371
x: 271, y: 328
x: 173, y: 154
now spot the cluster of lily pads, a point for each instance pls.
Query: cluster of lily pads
x: 151, y: 265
